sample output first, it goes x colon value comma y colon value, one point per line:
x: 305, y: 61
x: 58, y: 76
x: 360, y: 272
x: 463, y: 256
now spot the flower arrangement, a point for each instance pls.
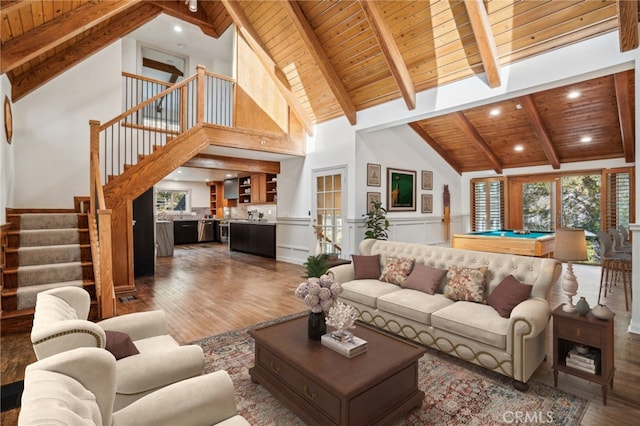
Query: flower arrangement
x: 319, y: 293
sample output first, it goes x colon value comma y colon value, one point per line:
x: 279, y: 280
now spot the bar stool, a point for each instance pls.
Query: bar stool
x: 612, y: 271
x: 615, y: 267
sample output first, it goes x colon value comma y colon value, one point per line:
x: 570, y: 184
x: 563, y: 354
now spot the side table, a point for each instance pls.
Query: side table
x: 572, y: 328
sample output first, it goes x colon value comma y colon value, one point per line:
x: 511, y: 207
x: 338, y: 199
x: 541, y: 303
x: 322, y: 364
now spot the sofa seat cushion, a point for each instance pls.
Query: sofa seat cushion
x: 155, y: 344
x: 413, y: 304
x: 474, y: 321
x: 366, y: 292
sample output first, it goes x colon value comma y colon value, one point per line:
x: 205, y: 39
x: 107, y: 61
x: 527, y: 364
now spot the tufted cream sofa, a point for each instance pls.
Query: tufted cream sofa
x: 475, y: 332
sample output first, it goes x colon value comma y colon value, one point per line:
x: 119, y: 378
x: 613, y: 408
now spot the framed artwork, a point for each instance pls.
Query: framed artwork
x: 401, y: 190
x: 427, y: 179
x: 374, y: 174
x: 372, y: 196
x: 427, y: 203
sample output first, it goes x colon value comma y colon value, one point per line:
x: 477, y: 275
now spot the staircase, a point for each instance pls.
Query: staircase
x: 45, y: 249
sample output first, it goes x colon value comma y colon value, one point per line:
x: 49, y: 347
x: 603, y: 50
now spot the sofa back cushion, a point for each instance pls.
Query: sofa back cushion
x: 541, y: 273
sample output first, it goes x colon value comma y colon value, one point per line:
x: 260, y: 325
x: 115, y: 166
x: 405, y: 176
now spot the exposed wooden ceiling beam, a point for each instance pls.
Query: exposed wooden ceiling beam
x: 627, y: 24
x: 474, y: 137
x: 161, y: 66
x: 321, y: 58
x: 47, y: 70
x: 539, y: 129
x: 178, y: 9
x: 249, y: 33
x: 435, y: 145
x: 20, y: 50
x: 207, y: 161
x: 485, y: 40
x: 623, y: 101
x: 390, y: 51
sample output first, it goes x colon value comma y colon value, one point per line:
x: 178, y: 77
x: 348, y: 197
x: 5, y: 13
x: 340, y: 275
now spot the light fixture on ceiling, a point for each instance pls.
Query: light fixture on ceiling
x: 574, y: 94
x: 586, y: 139
x: 494, y: 112
x: 518, y: 148
x: 193, y: 5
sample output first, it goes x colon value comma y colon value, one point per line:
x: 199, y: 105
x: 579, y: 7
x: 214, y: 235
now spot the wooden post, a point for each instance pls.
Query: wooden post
x: 447, y: 212
x: 200, y: 94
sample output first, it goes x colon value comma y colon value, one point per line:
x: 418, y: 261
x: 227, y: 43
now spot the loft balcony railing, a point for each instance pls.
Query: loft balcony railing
x: 156, y: 113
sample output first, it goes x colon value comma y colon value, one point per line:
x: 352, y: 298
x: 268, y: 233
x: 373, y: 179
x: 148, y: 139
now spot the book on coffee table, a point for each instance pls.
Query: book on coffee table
x: 349, y: 349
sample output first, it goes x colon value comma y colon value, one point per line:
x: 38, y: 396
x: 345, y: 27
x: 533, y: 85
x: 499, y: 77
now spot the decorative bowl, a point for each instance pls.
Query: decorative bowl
x: 602, y: 312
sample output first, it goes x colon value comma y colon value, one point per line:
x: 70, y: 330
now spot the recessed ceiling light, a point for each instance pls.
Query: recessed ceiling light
x: 229, y: 175
x: 179, y: 171
x: 177, y: 28
x: 518, y: 148
x: 574, y: 94
x: 494, y: 112
x: 586, y: 139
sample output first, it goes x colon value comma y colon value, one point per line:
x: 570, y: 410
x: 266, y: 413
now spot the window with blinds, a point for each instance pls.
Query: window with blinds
x: 487, y: 204
x: 618, y: 199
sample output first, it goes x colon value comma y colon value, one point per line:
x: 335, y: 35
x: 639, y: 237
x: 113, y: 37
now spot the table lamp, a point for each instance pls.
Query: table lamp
x: 570, y: 245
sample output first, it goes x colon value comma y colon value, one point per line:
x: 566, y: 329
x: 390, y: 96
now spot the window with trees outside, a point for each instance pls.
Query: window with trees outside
x: 593, y: 200
x: 168, y: 200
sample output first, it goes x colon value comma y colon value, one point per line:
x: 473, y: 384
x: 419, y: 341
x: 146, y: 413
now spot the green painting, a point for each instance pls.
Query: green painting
x: 401, y: 190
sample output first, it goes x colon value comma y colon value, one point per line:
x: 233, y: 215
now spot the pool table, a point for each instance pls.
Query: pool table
x: 538, y: 244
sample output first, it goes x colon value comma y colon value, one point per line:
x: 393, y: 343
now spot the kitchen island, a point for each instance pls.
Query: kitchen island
x: 253, y: 237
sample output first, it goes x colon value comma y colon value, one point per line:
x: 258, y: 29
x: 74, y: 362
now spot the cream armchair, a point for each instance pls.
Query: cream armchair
x: 60, y: 324
x: 77, y: 387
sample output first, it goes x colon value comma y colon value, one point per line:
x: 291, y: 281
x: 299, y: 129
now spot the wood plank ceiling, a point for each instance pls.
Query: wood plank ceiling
x: 335, y: 58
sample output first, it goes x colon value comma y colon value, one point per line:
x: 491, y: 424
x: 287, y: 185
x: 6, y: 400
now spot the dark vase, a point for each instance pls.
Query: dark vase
x: 582, y: 306
x: 317, y: 325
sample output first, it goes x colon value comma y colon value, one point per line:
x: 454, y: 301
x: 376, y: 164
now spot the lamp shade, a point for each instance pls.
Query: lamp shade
x: 570, y: 244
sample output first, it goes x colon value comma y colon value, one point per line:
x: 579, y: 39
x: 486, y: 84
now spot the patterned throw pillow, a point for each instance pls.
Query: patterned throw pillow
x: 396, y: 270
x: 466, y: 284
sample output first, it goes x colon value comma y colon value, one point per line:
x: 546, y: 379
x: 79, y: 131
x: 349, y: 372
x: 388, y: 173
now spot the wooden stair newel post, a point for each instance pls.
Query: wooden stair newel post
x: 446, y: 219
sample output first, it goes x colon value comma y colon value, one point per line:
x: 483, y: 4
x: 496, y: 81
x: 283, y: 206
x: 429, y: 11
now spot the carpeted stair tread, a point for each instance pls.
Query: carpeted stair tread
x: 42, y: 255
x: 27, y: 295
x: 51, y: 273
x: 48, y: 237
x: 48, y: 221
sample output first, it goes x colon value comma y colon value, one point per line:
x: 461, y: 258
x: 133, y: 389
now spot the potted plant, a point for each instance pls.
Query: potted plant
x: 316, y: 266
x: 376, y: 222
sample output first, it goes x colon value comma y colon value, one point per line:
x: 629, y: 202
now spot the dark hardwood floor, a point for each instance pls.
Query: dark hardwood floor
x: 207, y: 290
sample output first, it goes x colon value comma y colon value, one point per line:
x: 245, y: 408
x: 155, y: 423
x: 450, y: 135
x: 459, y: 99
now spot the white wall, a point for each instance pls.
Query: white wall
x: 7, y: 160
x: 52, y: 130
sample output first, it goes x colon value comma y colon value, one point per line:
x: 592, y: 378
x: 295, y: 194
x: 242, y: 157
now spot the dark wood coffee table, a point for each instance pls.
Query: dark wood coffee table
x: 324, y: 387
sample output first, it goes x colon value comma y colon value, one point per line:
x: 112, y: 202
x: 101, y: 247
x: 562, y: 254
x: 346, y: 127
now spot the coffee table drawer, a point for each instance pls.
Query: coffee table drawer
x: 299, y: 383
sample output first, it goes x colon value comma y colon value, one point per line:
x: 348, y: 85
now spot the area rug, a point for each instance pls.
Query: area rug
x: 457, y: 392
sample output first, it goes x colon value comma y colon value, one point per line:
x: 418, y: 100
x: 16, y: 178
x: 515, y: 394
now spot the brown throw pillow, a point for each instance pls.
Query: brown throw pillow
x: 366, y: 267
x: 466, y: 284
x: 120, y: 344
x: 508, y: 294
x: 424, y: 278
x: 396, y: 269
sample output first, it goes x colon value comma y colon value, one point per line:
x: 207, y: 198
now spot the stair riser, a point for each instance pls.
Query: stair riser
x: 10, y: 299
x: 12, y: 259
x: 11, y: 277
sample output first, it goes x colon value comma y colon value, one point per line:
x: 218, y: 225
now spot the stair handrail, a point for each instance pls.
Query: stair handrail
x: 99, y: 218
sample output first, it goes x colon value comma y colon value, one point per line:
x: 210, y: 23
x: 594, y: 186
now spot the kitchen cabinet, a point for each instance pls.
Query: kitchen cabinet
x: 218, y: 200
x: 258, y: 188
x: 144, y: 242
x: 185, y: 231
x: 253, y: 238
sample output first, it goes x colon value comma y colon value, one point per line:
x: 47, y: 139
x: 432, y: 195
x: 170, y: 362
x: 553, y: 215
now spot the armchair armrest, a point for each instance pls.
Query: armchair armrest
x: 75, y: 297
x: 206, y: 399
x: 139, y: 325
x: 148, y: 371
x: 342, y: 273
x: 528, y: 319
x: 61, y: 336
